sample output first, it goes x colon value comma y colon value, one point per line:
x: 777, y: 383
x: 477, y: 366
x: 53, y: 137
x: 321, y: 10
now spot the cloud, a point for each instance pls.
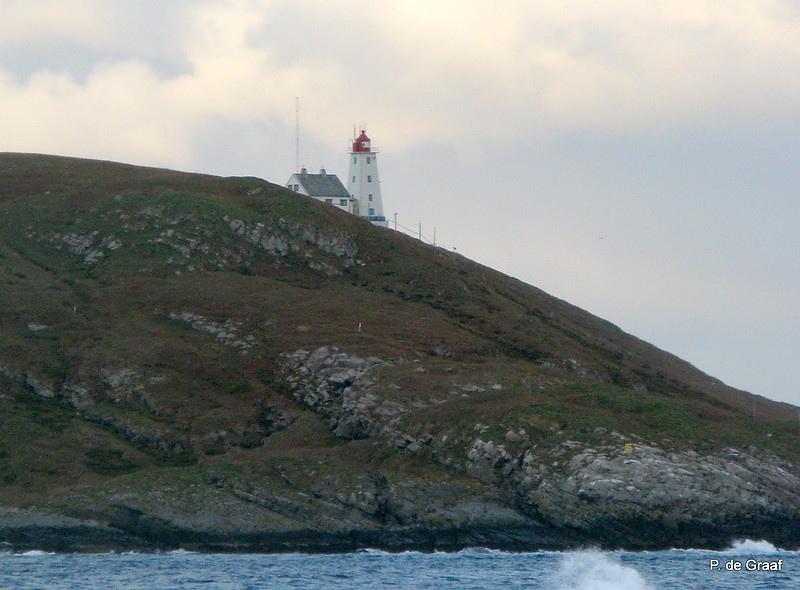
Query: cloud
x: 129, y: 104
x: 463, y: 69
x: 456, y: 70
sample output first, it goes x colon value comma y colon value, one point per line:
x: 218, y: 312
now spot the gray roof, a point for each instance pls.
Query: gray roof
x: 322, y: 185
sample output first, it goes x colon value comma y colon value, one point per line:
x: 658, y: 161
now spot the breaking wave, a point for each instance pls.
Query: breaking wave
x: 594, y: 570
x: 748, y: 547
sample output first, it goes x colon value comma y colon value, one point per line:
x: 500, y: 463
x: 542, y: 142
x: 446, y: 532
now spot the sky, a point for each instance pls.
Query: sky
x: 635, y: 158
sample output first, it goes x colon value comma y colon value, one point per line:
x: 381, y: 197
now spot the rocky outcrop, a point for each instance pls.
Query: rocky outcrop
x: 489, y: 462
x: 270, y: 421
x: 643, y: 496
x: 623, y: 493
x: 122, y: 528
x: 197, y: 242
x: 645, y: 499
x: 227, y: 332
x: 672, y: 487
x: 342, y: 247
x: 287, y: 238
x: 90, y: 246
x: 125, y: 386
x: 259, y: 235
x: 39, y: 386
x: 341, y: 387
x: 332, y: 383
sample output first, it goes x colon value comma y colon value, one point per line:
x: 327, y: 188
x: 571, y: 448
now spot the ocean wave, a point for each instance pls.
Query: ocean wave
x: 371, y: 551
x: 477, y: 551
x: 482, y: 551
x: 748, y: 547
x: 739, y: 547
x: 595, y: 570
x: 33, y: 553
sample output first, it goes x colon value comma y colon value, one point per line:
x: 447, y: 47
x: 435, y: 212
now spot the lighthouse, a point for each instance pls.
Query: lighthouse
x: 363, y: 182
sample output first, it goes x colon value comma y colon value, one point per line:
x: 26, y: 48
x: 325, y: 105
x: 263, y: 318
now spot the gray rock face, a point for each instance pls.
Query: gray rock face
x: 125, y: 385
x: 90, y: 246
x: 191, y: 237
x: 269, y: 422
x: 227, y: 332
x: 524, y: 497
x: 39, y: 386
x: 258, y: 234
x: 286, y: 238
x: 569, y: 487
x: 339, y: 386
x: 518, y: 436
x: 341, y: 247
x: 326, y: 381
x: 680, y: 487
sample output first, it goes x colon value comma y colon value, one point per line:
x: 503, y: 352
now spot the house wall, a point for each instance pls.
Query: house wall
x: 295, y: 184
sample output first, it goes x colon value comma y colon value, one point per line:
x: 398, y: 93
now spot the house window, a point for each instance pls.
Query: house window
x: 329, y: 201
x: 370, y: 196
x: 371, y: 211
x: 355, y: 160
x: 354, y: 179
x: 369, y: 179
x: 369, y: 159
x: 343, y: 202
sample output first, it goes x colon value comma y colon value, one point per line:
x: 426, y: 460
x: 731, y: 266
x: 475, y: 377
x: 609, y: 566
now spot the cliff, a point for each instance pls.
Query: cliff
x: 220, y: 364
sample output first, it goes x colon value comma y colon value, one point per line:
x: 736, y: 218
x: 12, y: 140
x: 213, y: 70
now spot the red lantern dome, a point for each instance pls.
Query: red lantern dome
x: 362, y: 143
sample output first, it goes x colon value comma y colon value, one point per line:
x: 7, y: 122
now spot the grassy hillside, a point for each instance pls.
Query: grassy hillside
x: 147, y: 317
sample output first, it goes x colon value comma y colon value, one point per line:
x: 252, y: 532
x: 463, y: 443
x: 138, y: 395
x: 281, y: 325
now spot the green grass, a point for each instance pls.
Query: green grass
x: 411, y: 301
x: 109, y: 462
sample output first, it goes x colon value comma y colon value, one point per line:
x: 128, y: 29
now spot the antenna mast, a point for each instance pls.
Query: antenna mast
x: 297, y: 134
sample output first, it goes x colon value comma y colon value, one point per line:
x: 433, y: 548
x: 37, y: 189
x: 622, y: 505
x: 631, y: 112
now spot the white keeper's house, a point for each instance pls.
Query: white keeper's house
x: 323, y: 187
x: 362, y: 196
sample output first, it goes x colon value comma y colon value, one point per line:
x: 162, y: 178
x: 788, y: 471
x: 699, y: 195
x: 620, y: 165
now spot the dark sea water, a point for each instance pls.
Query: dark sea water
x: 375, y: 570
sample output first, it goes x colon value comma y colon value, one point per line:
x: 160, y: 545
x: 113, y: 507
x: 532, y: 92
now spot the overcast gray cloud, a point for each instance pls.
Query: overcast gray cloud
x: 635, y: 158
x: 463, y: 70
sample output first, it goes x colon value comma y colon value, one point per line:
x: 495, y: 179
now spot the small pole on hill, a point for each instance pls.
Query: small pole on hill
x: 297, y: 134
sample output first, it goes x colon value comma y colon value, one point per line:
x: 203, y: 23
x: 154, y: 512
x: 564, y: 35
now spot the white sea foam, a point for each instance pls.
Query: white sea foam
x: 33, y: 553
x: 594, y: 570
x: 372, y: 551
x: 748, y: 547
x: 482, y: 551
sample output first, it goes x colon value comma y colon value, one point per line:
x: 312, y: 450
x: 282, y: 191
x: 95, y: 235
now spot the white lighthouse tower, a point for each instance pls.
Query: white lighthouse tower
x: 363, y: 183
